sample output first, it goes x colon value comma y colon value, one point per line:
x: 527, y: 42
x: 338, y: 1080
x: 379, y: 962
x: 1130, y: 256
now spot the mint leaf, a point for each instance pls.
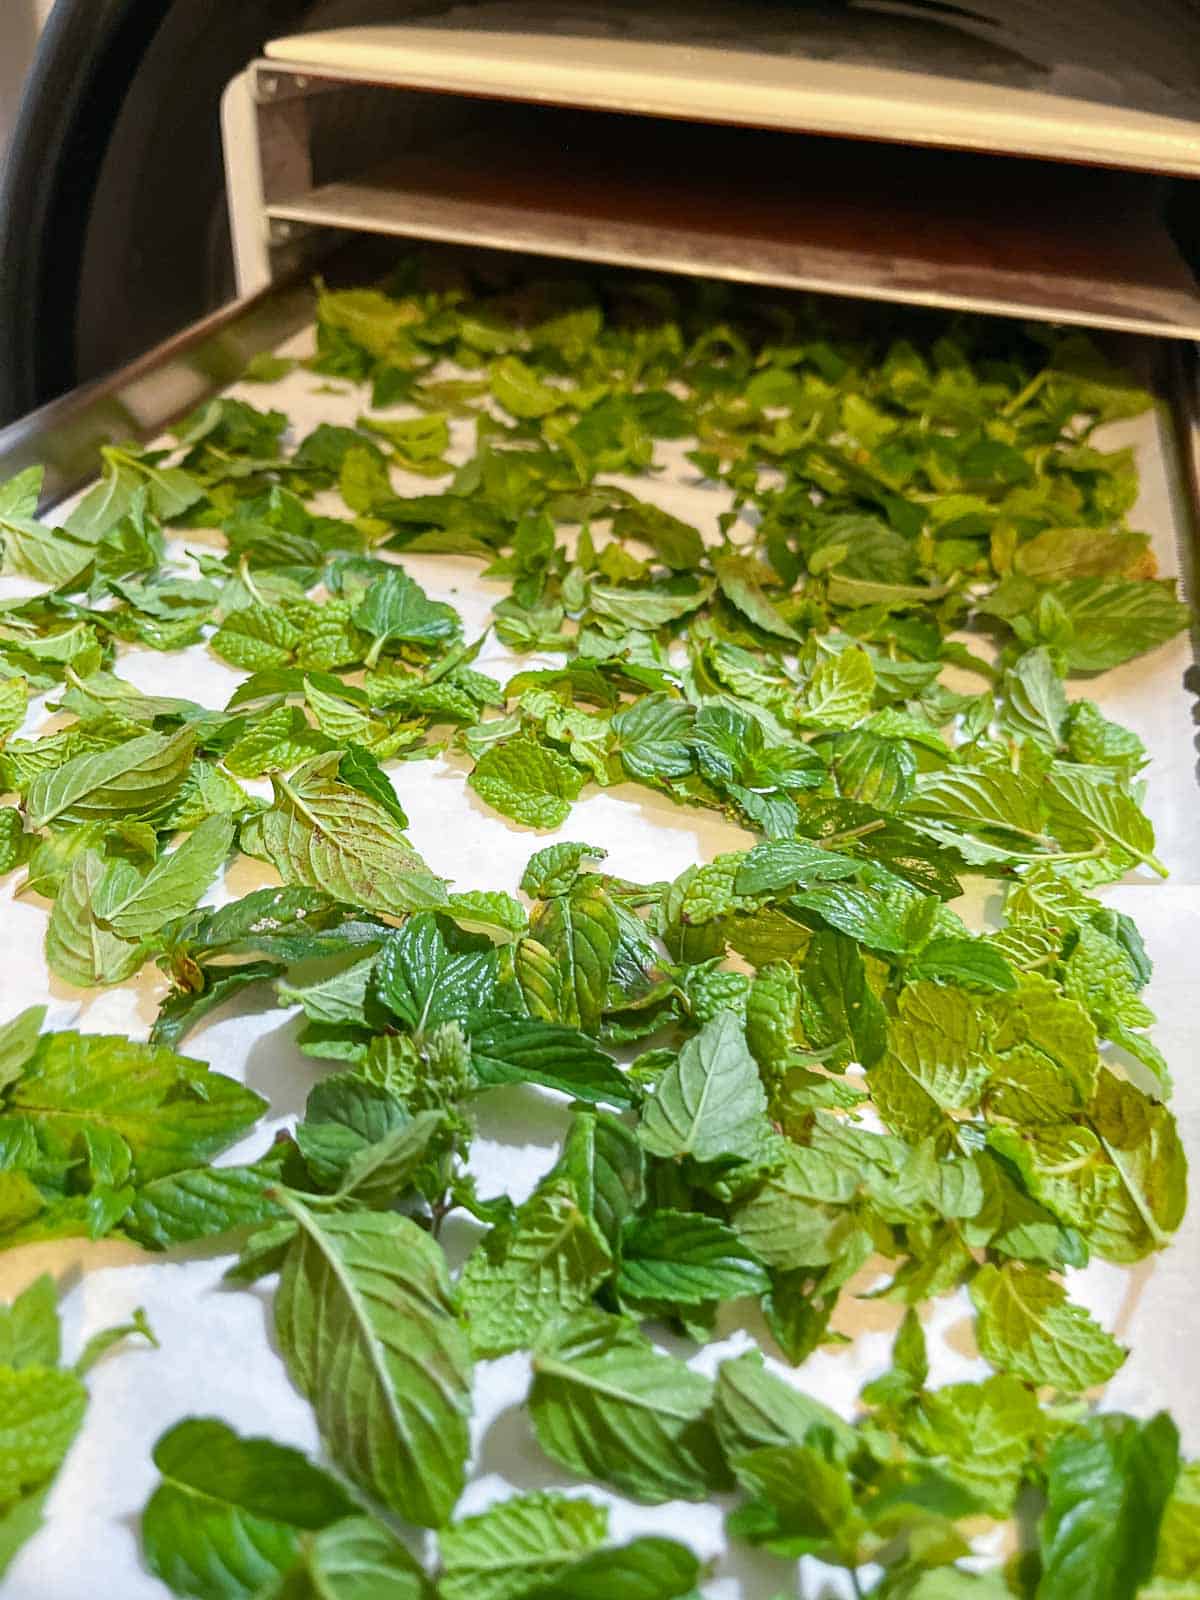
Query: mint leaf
x: 230, y: 1510
x: 1107, y: 1486
x: 326, y: 835
x: 511, y: 1549
x: 528, y: 782
x: 368, y: 1333
x: 424, y: 984
x: 350, y: 1558
x: 544, y: 1265
x: 518, y: 1050
x: 1026, y: 1324
x: 579, y: 931
x: 606, y: 1405
x: 131, y: 780
x: 674, y: 1258
x: 18, y: 1041
x: 709, y: 1104
x: 171, y: 1112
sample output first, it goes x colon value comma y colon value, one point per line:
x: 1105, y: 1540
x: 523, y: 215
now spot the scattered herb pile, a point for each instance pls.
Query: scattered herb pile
x: 794, y: 1072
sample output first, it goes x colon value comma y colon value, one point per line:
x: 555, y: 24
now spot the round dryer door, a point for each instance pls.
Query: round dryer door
x: 113, y: 232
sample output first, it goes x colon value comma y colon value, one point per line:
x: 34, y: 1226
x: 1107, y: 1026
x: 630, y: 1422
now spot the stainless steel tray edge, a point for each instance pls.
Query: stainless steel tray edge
x: 138, y: 401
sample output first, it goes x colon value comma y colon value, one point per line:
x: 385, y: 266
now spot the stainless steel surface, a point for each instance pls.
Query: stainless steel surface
x: 138, y: 401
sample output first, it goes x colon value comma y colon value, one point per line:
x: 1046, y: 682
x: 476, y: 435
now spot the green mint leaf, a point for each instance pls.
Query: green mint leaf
x: 1035, y: 701
x: 230, y: 1510
x: 351, y: 1559
x: 649, y: 1568
x: 421, y: 981
x: 553, y: 871
x: 802, y: 1504
x: 134, y: 909
x: 200, y: 1203
x: 1107, y: 1485
x: 521, y: 392
x: 606, y: 1168
x: 395, y: 607
x: 710, y: 1103
x: 365, y: 1321
x: 839, y: 1011
x: 18, y: 1041
x: 525, y: 1275
x: 677, y: 544
x: 969, y: 962
x: 753, y: 1409
x: 360, y: 769
x: 1085, y: 807
x: 508, y: 1049
x: 675, y: 1258
x: 653, y: 737
x: 508, y: 1551
x: 607, y: 1406
x: 29, y: 1330
x: 528, y: 782
x: 80, y: 949
x: 980, y: 1436
x: 133, y: 779
x: 170, y: 1111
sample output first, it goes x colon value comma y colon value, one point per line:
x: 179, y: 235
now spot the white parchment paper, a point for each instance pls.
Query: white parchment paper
x: 217, y: 1355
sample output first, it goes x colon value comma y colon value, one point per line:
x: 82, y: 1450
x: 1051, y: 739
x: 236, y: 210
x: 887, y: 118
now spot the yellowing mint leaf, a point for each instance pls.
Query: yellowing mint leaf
x: 521, y: 392
x: 1178, y: 1557
x: 1087, y: 808
x: 327, y: 835
x: 41, y: 1409
x: 839, y: 692
x: 1026, y: 1324
x: 980, y: 1435
x: 741, y: 579
x: 579, y: 931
